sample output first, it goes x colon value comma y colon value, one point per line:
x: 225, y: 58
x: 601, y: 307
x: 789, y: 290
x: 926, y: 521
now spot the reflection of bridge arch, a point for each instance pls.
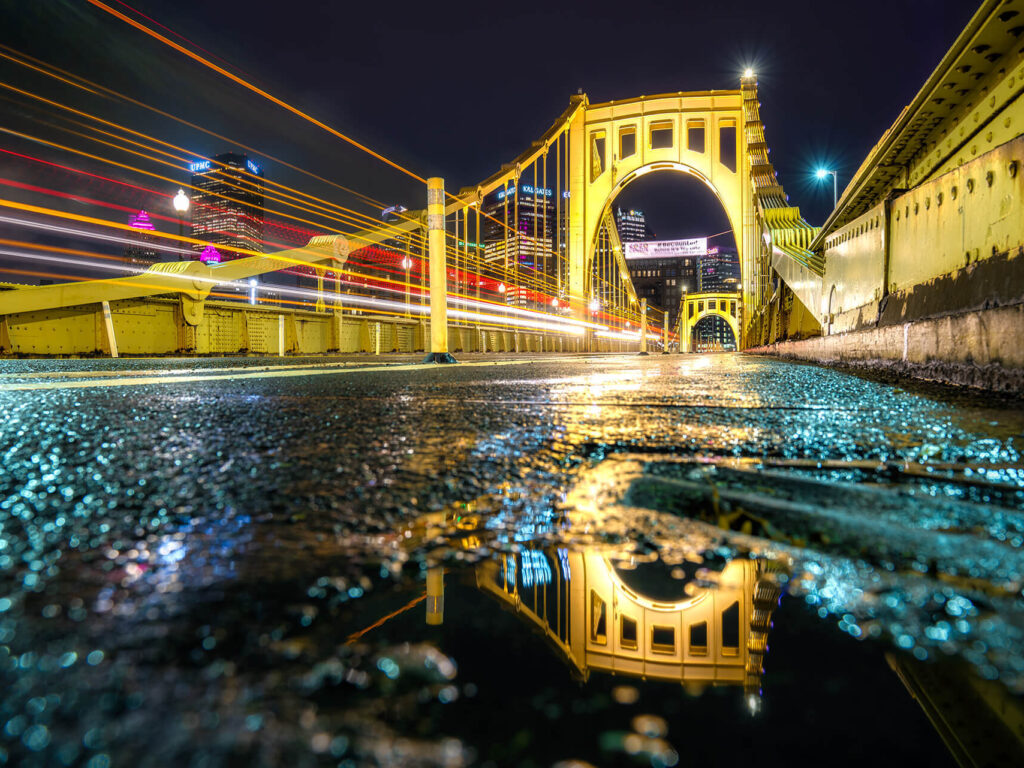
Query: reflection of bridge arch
x: 597, y: 622
x: 695, y: 307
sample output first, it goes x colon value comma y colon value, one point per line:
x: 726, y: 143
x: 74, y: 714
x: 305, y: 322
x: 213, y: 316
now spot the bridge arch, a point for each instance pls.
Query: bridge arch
x: 715, y: 136
x: 658, y: 167
x: 699, y: 306
x: 701, y: 134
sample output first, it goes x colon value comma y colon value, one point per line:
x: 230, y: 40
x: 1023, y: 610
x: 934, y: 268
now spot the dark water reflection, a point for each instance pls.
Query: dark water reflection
x: 610, y: 562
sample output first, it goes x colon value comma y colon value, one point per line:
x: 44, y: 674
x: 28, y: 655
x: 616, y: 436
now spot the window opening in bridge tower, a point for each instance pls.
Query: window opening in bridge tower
x: 695, y: 135
x: 731, y: 630
x: 598, y: 619
x: 597, y: 148
x: 627, y: 141
x: 661, y: 135
x: 727, y: 152
x: 627, y: 633
x: 699, y: 638
x: 732, y: 308
x: 663, y: 639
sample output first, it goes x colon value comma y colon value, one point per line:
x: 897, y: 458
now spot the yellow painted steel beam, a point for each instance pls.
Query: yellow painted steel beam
x: 511, y: 171
x: 974, y: 82
x: 619, y: 253
x: 191, y: 278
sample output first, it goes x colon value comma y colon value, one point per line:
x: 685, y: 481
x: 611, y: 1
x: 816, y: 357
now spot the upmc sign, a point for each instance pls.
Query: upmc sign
x: 665, y: 249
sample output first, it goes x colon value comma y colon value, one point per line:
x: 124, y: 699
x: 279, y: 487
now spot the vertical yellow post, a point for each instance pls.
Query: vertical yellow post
x: 684, y: 326
x: 320, y: 305
x: 435, y: 596
x: 579, y: 259
x: 280, y: 335
x: 664, y: 333
x: 643, y: 326
x: 108, y: 327
x: 438, y: 274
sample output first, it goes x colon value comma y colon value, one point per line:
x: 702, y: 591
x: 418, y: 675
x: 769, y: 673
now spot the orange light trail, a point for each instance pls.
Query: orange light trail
x: 245, y: 84
x: 98, y: 89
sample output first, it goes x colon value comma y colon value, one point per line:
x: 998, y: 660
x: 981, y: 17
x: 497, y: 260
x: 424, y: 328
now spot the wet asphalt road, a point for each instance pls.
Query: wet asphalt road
x: 212, y: 562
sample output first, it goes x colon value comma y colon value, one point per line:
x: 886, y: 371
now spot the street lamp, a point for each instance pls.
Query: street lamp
x: 407, y: 265
x: 180, y: 203
x: 821, y: 174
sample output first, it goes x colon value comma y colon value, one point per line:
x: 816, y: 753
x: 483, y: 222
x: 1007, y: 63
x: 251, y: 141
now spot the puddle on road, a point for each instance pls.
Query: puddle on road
x: 853, y: 592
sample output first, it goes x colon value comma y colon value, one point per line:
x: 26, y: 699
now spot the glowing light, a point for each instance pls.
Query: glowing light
x: 501, y: 288
x: 252, y: 290
x: 210, y: 255
x: 203, y: 165
x: 141, y: 221
x: 748, y: 73
x: 253, y: 168
x: 180, y: 201
x: 595, y: 305
x: 527, y: 189
x: 554, y: 303
x: 822, y: 173
x: 406, y: 263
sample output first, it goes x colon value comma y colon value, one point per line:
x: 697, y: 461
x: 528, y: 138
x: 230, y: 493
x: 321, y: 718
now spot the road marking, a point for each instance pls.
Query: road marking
x: 282, y: 372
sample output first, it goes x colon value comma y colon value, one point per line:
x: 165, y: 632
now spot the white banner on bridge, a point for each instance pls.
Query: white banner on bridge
x: 664, y: 249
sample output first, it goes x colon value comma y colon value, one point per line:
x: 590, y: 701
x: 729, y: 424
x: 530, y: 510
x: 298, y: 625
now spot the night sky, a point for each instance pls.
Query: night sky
x: 456, y: 90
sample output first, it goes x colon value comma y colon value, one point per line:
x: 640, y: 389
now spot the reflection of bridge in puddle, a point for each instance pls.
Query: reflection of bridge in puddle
x: 615, y: 618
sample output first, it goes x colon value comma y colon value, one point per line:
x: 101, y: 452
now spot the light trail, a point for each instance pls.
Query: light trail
x: 140, y: 171
x: 245, y: 84
x: 55, y: 228
x: 153, y: 233
x: 259, y: 374
x: 95, y: 88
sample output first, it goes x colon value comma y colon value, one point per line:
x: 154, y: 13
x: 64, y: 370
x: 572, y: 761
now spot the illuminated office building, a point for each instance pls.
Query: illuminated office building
x: 632, y: 226
x: 527, y: 240
x: 227, y: 205
x: 719, y: 270
x: 662, y: 273
x: 140, y: 250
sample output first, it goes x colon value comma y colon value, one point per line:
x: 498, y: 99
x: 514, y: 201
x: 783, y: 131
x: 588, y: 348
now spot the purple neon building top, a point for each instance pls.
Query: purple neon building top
x: 210, y: 255
x: 141, y: 221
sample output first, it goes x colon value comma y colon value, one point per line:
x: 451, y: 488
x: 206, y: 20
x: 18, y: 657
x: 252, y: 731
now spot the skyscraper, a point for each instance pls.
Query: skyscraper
x: 719, y: 270
x: 663, y: 270
x: 632, y: 226
x: 227, y: 205
x: 140, y: 250
x: 528, y: 239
